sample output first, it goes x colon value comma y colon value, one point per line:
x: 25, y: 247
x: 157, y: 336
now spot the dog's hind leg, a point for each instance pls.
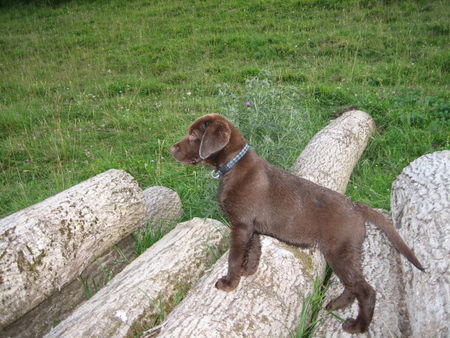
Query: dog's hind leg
x: 342, y: 301
x: 252, y: 256
x: 345, y: 260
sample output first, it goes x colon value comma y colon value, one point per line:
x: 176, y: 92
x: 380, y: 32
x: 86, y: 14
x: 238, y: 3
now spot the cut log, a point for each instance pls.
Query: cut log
x: 410, y: 303
x: 421, y: 209
x: 130, y: 302
x: 163, y: 206
x: 269, y: 302
x: 259, y: 307
x: 47, y: 245
x: 331, y: 155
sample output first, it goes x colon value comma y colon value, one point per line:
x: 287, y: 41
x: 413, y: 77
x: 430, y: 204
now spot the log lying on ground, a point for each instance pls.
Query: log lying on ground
x: 410, y: 303
x: 269, y: 302
x: 130, y: 302
x: 39, y: 320
x: 162, y: 205
x: 47, y: 245
x: 331, y: 155
x: 260, y: 307
x: 421, y: 209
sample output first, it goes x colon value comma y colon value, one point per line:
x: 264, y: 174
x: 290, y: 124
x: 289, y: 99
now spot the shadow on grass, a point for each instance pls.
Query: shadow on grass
x: 36, y: 3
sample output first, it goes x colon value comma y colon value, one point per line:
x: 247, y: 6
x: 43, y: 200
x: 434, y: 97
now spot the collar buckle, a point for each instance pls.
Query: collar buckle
x: 215, y: 174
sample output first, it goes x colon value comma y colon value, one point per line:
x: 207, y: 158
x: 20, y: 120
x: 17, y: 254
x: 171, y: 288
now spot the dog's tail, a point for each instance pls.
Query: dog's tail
x: 386, y: 225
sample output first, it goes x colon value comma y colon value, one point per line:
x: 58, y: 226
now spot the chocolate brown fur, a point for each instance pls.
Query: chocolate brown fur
x: 259, y: 198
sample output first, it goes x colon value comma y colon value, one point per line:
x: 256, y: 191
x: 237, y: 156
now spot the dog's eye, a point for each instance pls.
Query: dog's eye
x: 193, y: 138
x: 206, y: 124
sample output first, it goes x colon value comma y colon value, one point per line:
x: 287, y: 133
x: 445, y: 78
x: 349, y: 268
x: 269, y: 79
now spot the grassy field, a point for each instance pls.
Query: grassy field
x: 87, y: 86
x: 91, y: 85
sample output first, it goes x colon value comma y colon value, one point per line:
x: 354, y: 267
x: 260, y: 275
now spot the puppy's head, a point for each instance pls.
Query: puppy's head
x: 207, y: 136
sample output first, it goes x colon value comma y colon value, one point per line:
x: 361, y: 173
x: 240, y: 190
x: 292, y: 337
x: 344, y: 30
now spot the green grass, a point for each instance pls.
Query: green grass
x: 310, y: 309
x: 88, y: 86
x: 92, y: 85
x: 92, y: 285
x: 310, y: 318
x: 150, y: 235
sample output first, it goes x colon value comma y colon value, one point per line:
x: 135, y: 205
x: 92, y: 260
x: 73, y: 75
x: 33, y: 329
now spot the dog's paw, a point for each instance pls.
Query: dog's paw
x: 226, y: 284
x: 339, y: 303
x: 353, y: 326
x: 331, y: 306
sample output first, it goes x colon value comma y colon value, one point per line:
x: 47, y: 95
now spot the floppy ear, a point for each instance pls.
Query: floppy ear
x: 216, y: 137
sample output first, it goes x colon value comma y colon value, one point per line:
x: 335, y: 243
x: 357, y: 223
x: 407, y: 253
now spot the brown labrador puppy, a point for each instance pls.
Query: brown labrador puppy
x: 259, y: 198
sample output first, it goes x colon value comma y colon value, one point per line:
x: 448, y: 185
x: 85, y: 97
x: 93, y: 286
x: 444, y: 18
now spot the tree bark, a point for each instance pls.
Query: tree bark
x: 331, y: 155
x: 47, y: 245
x: 131, y: 301
x: 266, y: 304
x: 269, y: 303
x: 421, y: 209
x: 410, y: 303
x: 163, y: 206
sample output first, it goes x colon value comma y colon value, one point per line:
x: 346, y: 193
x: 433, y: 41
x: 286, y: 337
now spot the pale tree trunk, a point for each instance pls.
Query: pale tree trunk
x: 421, y: 209
x: 49, y: 244
x: 162, y: 205
x: 331, y: 155
x: 269, y: 302
x: 266, y: 304
x: 131, y: 301
x: 410, y: 303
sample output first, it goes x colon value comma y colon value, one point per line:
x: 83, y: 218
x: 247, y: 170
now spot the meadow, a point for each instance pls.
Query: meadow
x: 86, y: 86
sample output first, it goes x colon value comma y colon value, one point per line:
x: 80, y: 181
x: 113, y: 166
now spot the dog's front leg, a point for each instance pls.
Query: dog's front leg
x: 240, y: 236
x: 252, y: 255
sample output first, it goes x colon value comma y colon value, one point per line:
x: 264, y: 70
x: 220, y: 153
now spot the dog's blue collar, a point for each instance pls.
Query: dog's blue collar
x: 228, y: 166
